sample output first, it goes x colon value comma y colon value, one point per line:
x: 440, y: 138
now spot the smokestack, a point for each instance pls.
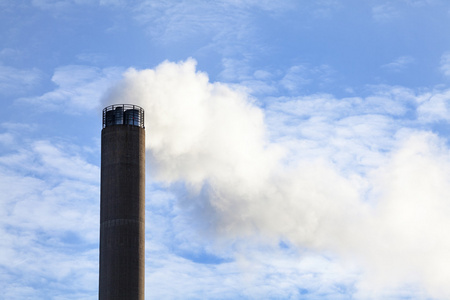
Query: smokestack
x: 122, y: 204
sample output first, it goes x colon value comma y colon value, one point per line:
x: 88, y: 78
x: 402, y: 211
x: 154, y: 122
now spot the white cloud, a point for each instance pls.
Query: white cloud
x: 399, y: 64
x: 234, y: 70
x: 255, y: 275
x: 213, y: 139
x: 49, y: 221
x: 8, y: 53
x: 113, y: 2
x: 93, y: 58
x: 229, y: 114
x: 411, y: 210
x: 78, y: 88
x: 355, y: 173
x: 434, y: 106
x: 70, y: 166
x: 325, y: 8
x: 166, y: 19
x: 16, y: 81
x: 295, y: 78
x: 348, y: 177
x: 6, y: 138
x: 421, y: 3
x: 58, y: 5
x: 445, y: 64
x: 385, y: 12
x: 51, y: 4
x: 223, y: 27
x: 268, y: 82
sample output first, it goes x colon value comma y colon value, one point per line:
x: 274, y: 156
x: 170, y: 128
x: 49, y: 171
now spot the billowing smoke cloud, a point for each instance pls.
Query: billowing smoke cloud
x: 211, y: 137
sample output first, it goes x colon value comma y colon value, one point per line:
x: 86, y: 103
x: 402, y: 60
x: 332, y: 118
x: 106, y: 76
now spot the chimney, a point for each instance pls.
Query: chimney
x: 122, y: 204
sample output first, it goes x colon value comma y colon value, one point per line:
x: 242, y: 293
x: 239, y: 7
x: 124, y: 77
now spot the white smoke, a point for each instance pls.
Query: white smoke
x: 212, y: 138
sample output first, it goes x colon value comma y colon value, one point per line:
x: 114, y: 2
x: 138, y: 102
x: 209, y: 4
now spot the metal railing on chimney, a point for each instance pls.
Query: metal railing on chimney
x: 123, y: 114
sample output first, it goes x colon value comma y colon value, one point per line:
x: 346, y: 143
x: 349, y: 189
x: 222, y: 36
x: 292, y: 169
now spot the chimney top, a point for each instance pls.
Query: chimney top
x: 123, y: 114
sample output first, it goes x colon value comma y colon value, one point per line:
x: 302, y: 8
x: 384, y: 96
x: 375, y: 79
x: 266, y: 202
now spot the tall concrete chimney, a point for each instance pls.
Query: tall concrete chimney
x: 122, y: 204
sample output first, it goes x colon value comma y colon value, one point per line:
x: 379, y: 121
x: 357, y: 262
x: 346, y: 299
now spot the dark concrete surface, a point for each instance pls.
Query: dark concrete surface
x: 122, y: 213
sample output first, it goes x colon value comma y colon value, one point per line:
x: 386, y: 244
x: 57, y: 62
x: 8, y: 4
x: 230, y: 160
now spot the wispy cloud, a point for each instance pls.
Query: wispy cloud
x: 49, y: 221
x: 294, y: 79
x: 93, y: 58
x: 10, y: 54
x: 300, y: 76
x: 399, y: 64
x: 434, y: 106
x: 445, y: 64
x: 58, y: 5
x: 267, y: 179
x: 78, y: 88
x: 385, y: 12
x: 224, y: 27
x: 15, y: 81
x: 421, y: 3
x: 317, y: 180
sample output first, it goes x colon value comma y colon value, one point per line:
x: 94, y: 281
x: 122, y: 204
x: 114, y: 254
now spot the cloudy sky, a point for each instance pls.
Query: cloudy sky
x: 296, y: 149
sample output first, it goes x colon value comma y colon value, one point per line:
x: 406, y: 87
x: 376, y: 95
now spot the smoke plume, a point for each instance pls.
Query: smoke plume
x: 212, y: 138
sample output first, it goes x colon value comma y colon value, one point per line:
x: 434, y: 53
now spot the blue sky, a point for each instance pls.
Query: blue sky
x: 295, y: 149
